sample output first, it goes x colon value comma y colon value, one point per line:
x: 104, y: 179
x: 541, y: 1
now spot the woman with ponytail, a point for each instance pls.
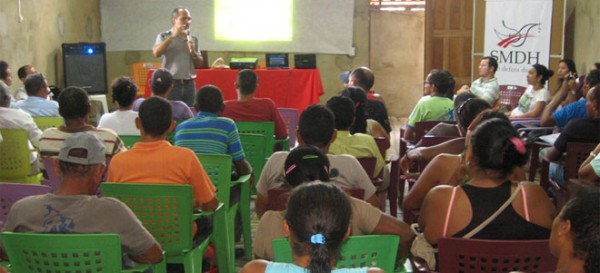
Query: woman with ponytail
x: 317, y: 222
x: 494, y: 151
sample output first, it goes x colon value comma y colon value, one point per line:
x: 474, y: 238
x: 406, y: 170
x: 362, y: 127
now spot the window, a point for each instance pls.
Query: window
x: 397, y: 5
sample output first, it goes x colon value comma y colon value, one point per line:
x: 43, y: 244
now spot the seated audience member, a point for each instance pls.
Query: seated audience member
x: 5, y: 74
x: 574, y: 239
x: 361, y: 123
x: 305, y: 164
x: 75, y: 208
x: 577, y: 130
x: 316, y: 127
x: 207, y: 133
x: 494, y: 151
x: 486, y: 87
x: 74, y: 107
x: 162, y: 85
x: 449, y: 169
x: 37, y: 103
x: 436, y: 107
x: 155, y: 160
x: 553, y: 116
x: 11, y: 118
x: 249, y: 108
x: 23, y: 72
x: 463, y: 114
x: 536, y: 96
x: 123, y: 119
x: 374, y: 107
x: 590, y: 168
x: 567, y: 70
x: 359, y: 144
x: 316, y: 223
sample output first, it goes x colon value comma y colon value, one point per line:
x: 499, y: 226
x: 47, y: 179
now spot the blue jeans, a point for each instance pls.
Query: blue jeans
x: 183, y: 91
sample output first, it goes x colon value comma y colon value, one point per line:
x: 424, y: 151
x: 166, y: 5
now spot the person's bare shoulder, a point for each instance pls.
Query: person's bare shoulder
x: 255, y: 266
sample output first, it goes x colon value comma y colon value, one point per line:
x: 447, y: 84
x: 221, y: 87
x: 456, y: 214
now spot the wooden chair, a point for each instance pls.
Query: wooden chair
x: 576, y: 153
x: 62, y: 253
x: 15, y: 155
x: 218, y: 168
x: 278, y: 197
x: 166, y: 211
x: 509, y: 96
x: 13, y: 192
x: 423, y: 127
x: 358, y: 251
x: 290, y: 117
x: 44, y: 123
x: 471, y: 255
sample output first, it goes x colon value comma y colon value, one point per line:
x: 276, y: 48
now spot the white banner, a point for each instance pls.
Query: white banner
x: 517, y: 34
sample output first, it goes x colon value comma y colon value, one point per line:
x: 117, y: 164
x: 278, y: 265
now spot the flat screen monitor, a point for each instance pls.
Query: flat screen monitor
x: 277, y: 60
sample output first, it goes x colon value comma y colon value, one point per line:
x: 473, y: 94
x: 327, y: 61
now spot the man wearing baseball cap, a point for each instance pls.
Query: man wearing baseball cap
x: 75, y: 208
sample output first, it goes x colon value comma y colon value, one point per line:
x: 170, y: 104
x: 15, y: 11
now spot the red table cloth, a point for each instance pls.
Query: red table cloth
x: 289, y: 88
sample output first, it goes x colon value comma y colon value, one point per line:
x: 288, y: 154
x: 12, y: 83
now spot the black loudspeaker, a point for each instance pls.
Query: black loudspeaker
x: 85, y: 66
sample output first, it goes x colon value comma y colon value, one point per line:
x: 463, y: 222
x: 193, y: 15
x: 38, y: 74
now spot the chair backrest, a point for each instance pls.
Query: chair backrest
x: 13, y: 192
x: 577, y: 152
x: 57, y: 253
x: 510, y: 95
x: 278, y: 197
x: 44, y: 123
x: 368, y: 164
x: 423, y: 127
x: 218, y: 168
x: 165, y: 210
x: 358, y: 251
x: 290, y: 117
x: 14, y: 155
x: 383, y: 144
x: 129, y: 140
x: 470, y: 255
x: 139, y: 72
x: 255, y: 150
x: 266, y: 128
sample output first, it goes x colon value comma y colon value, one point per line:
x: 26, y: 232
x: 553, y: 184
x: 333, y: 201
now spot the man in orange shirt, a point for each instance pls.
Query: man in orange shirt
x: 154, y: 160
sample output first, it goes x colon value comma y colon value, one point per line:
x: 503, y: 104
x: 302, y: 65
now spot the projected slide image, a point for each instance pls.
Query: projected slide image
x: 253, y: 20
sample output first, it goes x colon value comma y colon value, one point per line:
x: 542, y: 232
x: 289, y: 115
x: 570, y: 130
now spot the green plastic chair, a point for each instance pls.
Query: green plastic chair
x: 166, y: 210
x: 14, y: 158
x: 218, y: 168
x: 254, y: 149
x: 266, y: 128
x: 129, y: 140
x: 57, y: 253
x: 44, y: 123
x: 358, y: 251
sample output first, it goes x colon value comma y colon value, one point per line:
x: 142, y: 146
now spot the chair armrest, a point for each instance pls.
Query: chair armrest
x: 198, y: 213
x: 283, y: 144
x: 242, y: 179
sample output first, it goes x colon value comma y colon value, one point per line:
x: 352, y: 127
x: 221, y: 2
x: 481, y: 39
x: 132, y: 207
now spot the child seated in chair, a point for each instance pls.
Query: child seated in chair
x: 317, y: 222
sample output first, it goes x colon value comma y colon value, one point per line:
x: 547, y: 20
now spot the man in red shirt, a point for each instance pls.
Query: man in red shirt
x: 249, y: 108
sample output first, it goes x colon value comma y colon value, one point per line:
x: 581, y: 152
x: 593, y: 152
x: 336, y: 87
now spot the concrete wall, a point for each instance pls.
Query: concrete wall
x: 587, y: 34
x: 330, y: 66
x: 37, y: 39
x: 397, y: 58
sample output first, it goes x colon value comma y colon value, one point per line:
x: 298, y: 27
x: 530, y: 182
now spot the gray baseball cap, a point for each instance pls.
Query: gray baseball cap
x: 94, y: 149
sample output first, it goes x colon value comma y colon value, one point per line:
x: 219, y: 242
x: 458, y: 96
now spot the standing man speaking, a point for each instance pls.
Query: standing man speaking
x: 180, y: 55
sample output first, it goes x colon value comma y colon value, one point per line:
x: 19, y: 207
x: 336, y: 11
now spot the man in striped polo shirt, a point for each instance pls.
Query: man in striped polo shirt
x: 207, y: 133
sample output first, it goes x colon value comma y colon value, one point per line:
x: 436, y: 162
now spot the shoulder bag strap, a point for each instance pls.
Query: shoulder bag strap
x: 493, y: 216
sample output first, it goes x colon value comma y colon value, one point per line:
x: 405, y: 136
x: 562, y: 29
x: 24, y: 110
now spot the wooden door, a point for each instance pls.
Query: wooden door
x: 449, y: 38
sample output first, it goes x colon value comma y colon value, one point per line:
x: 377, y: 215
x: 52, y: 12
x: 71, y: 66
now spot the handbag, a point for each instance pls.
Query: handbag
x: 422, y: 249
